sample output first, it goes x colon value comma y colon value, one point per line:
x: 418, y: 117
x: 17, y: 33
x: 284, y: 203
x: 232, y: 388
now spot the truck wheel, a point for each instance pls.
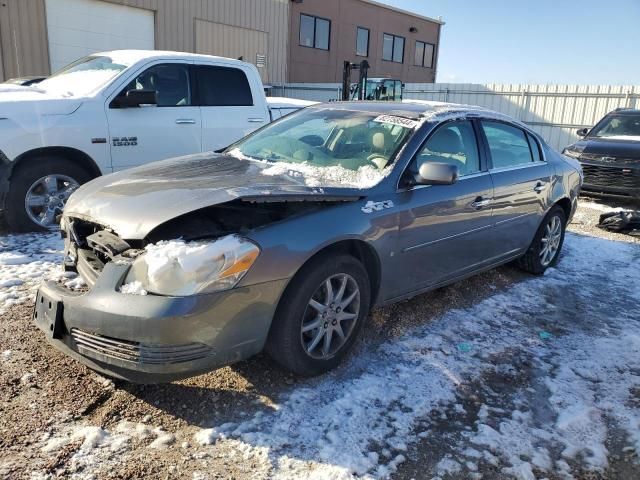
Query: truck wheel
x: 544, y: 251
x: 38, y: 191
x: 320, y: 315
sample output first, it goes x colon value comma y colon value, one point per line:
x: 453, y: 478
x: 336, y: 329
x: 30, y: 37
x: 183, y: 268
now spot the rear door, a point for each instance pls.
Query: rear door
x: 522, y: 183
x: 445, y: 230
x: 139, y: 135
x: 232, y: 104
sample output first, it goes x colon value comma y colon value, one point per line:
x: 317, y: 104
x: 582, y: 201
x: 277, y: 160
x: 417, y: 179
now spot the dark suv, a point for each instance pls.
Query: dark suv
x: 610, y: 154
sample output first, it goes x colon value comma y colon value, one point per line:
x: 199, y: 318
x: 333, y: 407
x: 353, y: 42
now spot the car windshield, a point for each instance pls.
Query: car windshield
x: 328, y: 146
x: 618, y: 126
x: 83, y: 76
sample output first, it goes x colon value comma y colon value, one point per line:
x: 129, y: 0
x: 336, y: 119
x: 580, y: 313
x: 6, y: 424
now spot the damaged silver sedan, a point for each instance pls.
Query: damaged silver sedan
x: 287, y: 239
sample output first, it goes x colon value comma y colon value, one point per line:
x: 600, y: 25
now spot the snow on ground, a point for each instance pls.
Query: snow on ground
x: 365, y: 423
x: 583, y: 352
x: 567, y: 343
x: 24, y: 261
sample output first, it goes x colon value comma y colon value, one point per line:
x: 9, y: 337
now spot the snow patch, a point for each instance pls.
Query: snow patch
x: 133, y: 288
x: 186, y: 268
x: 364, y: 177
x: 24, y: 261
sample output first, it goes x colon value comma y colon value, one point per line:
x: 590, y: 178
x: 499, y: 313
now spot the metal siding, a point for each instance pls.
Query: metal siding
x: 23, y: 38
x: 174, y: 29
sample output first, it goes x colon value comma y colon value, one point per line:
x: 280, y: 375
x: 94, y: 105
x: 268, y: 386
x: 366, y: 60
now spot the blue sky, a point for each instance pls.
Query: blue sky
x: 541, y: 41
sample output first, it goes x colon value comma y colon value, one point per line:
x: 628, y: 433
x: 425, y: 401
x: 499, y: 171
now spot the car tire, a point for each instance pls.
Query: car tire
x: 22, y: 183
x: 292, y: 335
x: 551, y: 231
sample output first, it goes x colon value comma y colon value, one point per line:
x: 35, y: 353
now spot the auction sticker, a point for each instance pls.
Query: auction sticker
x: 393, y: 120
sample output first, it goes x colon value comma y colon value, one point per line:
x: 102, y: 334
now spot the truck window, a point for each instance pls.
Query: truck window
x: 169, y: 80
x: 223, y: 87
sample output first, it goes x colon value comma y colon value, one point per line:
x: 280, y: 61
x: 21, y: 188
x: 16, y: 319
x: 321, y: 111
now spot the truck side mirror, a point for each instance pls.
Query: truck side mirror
x: 582, y: 132
x: 136, y: 98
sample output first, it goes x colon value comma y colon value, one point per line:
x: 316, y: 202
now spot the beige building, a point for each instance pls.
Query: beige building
x: 40, y: 36
x: 325, y: 33
x: 288, y: 40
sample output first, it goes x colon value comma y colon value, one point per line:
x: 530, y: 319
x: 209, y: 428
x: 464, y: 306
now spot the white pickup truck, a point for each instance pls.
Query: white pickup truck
x: 116, y: 110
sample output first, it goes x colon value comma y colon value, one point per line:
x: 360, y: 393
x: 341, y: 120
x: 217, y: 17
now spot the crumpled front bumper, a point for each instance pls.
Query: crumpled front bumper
x: 153, y: 339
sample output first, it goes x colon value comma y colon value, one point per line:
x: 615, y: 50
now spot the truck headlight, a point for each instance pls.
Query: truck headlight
x: 179, y: 268
x: 571, y: 153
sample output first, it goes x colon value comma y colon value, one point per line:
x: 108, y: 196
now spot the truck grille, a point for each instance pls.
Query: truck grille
x: 93, y: 345
x: 610, y: 176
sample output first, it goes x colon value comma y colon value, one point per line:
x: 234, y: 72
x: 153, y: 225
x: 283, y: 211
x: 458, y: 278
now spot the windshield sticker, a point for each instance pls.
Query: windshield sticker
x: 393, y: 120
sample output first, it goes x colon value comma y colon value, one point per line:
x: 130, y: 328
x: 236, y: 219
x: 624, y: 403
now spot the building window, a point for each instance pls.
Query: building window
x: 424, y: 54
x: 314, y: 32
x: 362, y: 42
x: 393, y: 48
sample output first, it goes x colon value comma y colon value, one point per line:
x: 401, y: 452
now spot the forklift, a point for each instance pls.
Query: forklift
x: 380, y: 89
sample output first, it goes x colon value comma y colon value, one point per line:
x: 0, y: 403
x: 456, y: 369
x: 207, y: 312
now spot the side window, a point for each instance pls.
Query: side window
x: 535, y: 148
x: 508, y: 145
x: 223, y: 87
x: 170, y: 82
x: 453, y: 143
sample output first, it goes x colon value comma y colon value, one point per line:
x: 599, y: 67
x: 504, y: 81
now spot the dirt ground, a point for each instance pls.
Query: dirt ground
x: 43, y: 393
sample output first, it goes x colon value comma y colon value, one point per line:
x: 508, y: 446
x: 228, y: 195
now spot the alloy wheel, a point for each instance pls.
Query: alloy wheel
x: 330, y: 316
x: 551, y: 240
x: 46, y: 198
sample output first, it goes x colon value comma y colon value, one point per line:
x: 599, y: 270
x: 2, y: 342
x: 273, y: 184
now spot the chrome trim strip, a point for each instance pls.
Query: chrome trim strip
x: 501, y: 222
x: 517, y: 167
x: 457, y: 235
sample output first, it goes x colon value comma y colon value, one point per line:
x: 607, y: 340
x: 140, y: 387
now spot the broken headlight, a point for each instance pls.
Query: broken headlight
x: 179, y: 268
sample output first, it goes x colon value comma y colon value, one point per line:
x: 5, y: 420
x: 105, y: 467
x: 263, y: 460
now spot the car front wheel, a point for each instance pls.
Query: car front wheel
x: 320, y: 315
x: 544, y: 251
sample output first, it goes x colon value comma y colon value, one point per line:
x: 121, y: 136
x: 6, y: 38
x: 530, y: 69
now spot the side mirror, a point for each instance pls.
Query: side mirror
x: 436, y: 173
x: 136, y: 98
x: 582, y: 132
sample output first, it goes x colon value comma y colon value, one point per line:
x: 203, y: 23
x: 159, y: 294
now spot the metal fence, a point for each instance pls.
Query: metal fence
x: 554, y: 111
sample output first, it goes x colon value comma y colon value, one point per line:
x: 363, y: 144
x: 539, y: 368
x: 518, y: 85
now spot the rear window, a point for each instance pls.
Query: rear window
x: 223, y: 87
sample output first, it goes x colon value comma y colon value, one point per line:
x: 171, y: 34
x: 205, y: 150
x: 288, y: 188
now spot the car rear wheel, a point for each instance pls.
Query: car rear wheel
x: 320, y: 315
x: 39, y: 190
x: 544, y: 251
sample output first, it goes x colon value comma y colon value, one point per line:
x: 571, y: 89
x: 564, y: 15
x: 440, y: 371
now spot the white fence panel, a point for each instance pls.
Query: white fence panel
x: 554, y: 111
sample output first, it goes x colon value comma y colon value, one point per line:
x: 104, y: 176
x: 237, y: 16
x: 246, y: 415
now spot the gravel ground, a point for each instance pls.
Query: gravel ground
x: 119, y: 430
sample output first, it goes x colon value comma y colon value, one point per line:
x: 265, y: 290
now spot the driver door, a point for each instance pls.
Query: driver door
x: 445, y: 231
x: 144, y: 134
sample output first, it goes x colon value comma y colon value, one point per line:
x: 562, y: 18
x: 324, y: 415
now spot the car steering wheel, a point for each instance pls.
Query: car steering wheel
x: 377, y: 160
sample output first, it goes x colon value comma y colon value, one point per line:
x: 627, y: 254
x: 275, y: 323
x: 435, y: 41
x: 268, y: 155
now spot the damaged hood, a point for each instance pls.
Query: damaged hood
x: 136, y: 201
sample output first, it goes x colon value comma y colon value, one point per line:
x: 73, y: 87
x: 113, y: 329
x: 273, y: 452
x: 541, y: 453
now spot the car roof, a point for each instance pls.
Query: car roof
x: 625, y: 111
x: 420, y: 110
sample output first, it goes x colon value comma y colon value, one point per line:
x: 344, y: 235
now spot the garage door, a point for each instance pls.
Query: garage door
x: 79, y: 27
x: 233, y: 42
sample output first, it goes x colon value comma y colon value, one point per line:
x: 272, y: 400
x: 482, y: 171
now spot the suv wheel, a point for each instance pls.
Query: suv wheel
x: 38, y: 191
x: 320, y: 315
x: 544, y: 251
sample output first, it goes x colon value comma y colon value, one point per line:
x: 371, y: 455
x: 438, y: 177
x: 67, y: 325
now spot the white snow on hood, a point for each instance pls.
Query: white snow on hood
x: 365, y: 177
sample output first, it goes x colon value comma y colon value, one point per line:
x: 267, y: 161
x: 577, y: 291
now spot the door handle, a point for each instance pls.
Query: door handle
x: 540, y: 187
x: 480, y: 203
x: 185, y: 121
x: 255, y: 120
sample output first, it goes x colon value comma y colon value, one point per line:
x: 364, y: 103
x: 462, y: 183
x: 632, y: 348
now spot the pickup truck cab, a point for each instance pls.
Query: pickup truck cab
x: 115, y: 110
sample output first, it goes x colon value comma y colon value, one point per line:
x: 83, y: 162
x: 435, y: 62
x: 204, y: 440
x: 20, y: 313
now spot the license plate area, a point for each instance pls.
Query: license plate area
x: 48, y: 313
